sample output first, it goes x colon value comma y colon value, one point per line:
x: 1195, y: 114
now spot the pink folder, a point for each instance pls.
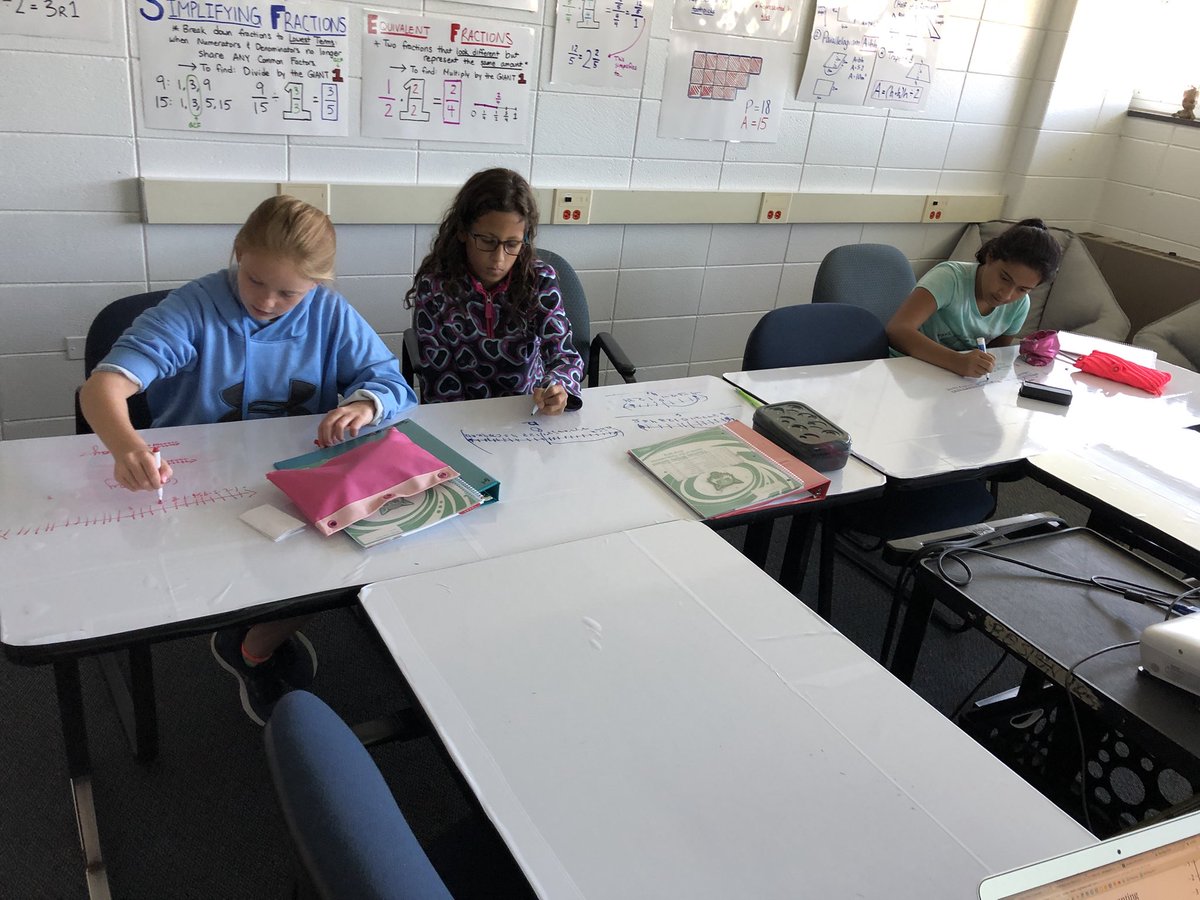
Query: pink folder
x: 355, y: 484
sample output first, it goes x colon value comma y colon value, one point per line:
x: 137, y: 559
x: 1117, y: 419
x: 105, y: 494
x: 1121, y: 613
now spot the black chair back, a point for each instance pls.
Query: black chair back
x: 109, y: 324
x: 813, y: 334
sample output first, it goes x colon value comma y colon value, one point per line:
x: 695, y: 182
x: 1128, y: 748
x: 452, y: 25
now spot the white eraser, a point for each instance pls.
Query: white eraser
x: 274, y: 523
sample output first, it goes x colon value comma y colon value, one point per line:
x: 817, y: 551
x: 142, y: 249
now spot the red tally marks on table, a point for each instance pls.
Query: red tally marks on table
x: 131, y: 513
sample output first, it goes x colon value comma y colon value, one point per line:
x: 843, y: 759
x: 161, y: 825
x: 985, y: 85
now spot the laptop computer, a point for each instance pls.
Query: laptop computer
x: 1158, y: 862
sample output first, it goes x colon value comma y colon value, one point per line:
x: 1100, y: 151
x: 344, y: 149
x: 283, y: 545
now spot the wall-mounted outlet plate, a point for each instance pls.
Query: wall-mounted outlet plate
x: 75, y: 347
x: 774, y: 208
x: 936, y: 208
x: 571, y: 207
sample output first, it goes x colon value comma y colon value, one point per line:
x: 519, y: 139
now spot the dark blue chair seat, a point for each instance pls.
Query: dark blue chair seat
x: 350, y: 836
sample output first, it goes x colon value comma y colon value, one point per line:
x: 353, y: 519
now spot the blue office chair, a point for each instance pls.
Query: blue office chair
x: 350, y: 836
x: 823, y: 333
x: 814, y: 335
x: 590, y: 346
x: 876, y: 277
x: 108, y: 325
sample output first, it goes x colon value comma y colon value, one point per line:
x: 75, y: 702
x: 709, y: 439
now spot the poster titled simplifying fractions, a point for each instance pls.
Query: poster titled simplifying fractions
x: 82, y: 20
x: 602, y: 43
x: 248, y: 68
x: 446, y: 79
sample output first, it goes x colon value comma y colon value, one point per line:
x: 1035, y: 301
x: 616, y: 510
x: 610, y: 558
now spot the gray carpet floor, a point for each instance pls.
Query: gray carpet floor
x: 201, y: 820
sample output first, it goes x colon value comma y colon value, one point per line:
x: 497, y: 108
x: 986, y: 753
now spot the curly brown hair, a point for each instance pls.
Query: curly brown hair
x: 492, y: 190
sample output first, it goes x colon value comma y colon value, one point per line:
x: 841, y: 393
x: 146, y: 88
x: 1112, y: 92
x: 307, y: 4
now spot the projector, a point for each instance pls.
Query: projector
x: 1171, y: 651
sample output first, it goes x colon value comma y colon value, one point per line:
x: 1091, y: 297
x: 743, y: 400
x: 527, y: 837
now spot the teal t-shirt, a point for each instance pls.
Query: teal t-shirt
x: 957, y: 322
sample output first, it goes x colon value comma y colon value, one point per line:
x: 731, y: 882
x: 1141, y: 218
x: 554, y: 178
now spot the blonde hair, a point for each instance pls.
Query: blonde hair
x: 297, y: 231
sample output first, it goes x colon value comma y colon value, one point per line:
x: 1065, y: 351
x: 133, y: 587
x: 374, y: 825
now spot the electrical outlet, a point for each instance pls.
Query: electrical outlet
x: 75, y: 347
x: 774, y: 208
x: 571, y: 207
x: 935, y: 209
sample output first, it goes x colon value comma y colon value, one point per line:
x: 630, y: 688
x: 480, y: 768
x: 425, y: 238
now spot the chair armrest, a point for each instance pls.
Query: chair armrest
x: 606, y: 343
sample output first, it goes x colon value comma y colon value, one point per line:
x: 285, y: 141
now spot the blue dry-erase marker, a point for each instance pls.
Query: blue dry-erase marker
x: 981, y: 345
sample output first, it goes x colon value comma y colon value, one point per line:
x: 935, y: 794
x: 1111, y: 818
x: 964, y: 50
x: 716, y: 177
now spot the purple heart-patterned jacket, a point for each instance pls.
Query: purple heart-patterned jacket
x: 473, y: 348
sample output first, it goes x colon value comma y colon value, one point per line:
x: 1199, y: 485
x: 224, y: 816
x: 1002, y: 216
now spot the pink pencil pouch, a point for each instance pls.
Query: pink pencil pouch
x: 351, y: 486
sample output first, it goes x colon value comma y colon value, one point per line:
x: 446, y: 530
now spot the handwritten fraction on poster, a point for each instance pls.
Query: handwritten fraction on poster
x: 724, y: 88
x: 601, y: 43
x: 247, y: 68
x: 79, y: 20
x: 885, y: 60
x: 777, y: 20
x: 446, y: 79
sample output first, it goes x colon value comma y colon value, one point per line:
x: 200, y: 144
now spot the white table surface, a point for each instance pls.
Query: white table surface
x: 1151, y: 476
x: 84, y: 558
x: 646, y: 714
x: 911, y: 419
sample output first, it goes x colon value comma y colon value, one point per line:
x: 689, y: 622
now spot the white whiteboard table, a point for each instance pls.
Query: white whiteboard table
x: 85, y: 560
x: 88, y: 566
x: 646, y: 714
x: 914, y: 420
x: 1146, y: 480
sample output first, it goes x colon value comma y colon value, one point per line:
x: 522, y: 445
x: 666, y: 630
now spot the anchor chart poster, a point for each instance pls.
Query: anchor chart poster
x: 724, y: 88
x: 602, y: 43
x: 248, y: 68
x: 880, y: 54
x: 446, y: 79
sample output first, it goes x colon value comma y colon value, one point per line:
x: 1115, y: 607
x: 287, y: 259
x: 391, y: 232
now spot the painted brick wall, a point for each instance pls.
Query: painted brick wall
x: 680, y: 298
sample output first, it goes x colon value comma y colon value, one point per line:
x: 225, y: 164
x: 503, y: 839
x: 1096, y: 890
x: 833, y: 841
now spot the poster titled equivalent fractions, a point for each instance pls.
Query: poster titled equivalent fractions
x: 247, y: 68
x: 446, y: 79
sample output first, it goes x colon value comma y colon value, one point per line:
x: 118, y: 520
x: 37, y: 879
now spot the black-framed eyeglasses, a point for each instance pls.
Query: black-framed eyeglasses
x: 488, y: 244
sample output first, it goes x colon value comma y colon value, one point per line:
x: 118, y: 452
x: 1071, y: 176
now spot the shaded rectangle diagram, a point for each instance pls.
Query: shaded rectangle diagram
x: 719, y: 76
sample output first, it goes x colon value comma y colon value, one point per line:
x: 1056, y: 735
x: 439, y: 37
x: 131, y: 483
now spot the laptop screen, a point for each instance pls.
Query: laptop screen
x: 1160, y: 862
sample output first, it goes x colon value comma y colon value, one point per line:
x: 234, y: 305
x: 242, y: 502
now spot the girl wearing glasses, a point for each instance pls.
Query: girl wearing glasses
x: 487, y: 312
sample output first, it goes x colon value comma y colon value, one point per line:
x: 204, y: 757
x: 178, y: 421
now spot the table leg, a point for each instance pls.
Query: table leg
x: 79, y: 768
x: 798, y: 550
x: 825, y: 569
x: 758, y: 542
x: 912, y: 632
x: 134, y: 700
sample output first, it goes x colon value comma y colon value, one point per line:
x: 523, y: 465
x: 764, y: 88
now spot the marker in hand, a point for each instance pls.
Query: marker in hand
x: 981, y: 346
x: 158, y: 467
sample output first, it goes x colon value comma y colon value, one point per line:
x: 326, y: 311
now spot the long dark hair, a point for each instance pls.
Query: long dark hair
x: 1029, y: 243
x: 492, y: 190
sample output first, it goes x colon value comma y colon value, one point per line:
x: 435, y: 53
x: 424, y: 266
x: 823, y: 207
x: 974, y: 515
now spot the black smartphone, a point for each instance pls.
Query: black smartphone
x: 1035, y: 391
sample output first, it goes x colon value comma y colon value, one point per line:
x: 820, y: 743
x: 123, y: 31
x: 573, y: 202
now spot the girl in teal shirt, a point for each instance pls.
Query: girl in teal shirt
x: 957, y: 303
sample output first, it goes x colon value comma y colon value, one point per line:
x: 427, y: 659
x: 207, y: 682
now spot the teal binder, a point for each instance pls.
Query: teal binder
x: 467, y: 470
